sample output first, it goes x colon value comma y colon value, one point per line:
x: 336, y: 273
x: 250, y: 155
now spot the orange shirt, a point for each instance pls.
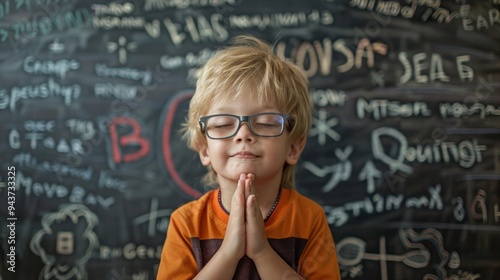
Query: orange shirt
x: 297, y: 230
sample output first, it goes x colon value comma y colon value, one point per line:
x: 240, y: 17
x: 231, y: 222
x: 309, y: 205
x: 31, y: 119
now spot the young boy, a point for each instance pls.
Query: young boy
x: 248, y: 121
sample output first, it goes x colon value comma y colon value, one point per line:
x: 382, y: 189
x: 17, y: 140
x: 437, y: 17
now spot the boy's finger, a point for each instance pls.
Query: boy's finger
x: 251, y: 176
x: 252, y: 206
x: 248, y: 187
x: 238, y: 202
x: 253, y: 214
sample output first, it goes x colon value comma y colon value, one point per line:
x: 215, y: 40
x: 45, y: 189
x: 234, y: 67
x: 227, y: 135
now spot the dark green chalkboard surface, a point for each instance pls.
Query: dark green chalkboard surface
x: 403, y: 154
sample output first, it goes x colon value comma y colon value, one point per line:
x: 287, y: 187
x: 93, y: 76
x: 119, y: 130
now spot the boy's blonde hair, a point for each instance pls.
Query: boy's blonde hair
x: 250, y: 66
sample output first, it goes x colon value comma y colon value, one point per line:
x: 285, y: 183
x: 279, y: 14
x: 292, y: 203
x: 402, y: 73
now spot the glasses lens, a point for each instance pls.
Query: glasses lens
x: 225, y: 126
x: 267, y: 124
x: 221, y: 126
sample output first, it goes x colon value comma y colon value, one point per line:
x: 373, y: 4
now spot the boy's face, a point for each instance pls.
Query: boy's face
x: 247, y: 153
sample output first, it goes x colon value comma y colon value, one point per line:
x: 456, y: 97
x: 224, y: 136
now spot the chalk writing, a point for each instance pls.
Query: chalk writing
x: 394, y: 9
x: 167, y: 132
x: 458, y: 210
x: 478, y: 206
x: 116, y: 9
x: 352, y: 250
x: 369, y: 173
x: 46, y: 25
x: 58, y: 68
x: 478, y: 21
x: 326, y: 97
x: 49, y: 89
x: 466, y: 153
x: 54, y: 231
x: 27, y: 160
x: 56, y: 47
x: 377, y: 78
x: 65, y: 243
x: 339, y: 171
x: 83, y: 128
x: 38, y: 125
x: 130, y: 251
x: 122, y: 47
x: 265, y: 21
x: 34, y: 140
x: 200, y: 29
x: 118, y: 91
x: 144, y: 76
x: 189, y: 60
x: 459, y: 110
x: 384, y: 108
x: 434, y: 238
x: 122, y: 275
x: 4, y: 99
x: 341, y: 215
x: 316, y: 56
x: 425, y: 70
x: 152, y: 27
x: 439, y: 14
x: 389, y: 8
x: 160, y: 5
x: 108, y: 182
x: 31, y: 4
x: 4, y: 9
x: 80, y: 195
x: 324, y: 127
x: 75, y: 194
x: 157, y: 220
x: 127, y: 143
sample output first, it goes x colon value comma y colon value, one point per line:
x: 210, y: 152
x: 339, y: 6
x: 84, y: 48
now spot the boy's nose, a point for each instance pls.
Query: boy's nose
x: 244, y: 133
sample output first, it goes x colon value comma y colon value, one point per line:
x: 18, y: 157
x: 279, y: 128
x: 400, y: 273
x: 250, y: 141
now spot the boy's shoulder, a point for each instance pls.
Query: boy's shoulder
x: 303, y: 208
x: 303, y: 201
x: 298, y: 216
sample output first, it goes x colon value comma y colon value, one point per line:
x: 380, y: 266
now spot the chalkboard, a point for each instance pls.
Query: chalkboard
x: 403, y: 153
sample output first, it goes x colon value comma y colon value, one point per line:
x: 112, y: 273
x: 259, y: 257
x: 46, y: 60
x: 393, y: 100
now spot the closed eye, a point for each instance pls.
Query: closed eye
x: 222, y: 126
x: 266, y: 124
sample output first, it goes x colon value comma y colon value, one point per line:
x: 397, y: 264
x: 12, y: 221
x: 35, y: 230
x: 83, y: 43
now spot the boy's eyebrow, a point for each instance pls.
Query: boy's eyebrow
x: 229, y: 108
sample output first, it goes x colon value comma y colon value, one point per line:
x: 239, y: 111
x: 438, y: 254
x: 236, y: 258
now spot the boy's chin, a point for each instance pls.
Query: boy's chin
x: 246, y: 172
x: 236, y: 172
x: 235, y: 176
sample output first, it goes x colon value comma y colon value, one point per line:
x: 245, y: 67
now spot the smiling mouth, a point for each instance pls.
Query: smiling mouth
x: 244, y: 155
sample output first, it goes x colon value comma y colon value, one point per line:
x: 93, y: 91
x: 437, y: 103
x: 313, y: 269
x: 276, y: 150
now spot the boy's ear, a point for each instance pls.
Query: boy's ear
x: 295, y: 150
x: 204, y: 156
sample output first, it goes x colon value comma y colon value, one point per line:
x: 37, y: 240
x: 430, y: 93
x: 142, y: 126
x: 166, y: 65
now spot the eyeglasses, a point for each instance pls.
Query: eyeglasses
x: 222, y: 126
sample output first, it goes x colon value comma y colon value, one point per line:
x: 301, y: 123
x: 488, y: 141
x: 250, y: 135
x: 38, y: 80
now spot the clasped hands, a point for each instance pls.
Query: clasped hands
x: 245, y: 229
